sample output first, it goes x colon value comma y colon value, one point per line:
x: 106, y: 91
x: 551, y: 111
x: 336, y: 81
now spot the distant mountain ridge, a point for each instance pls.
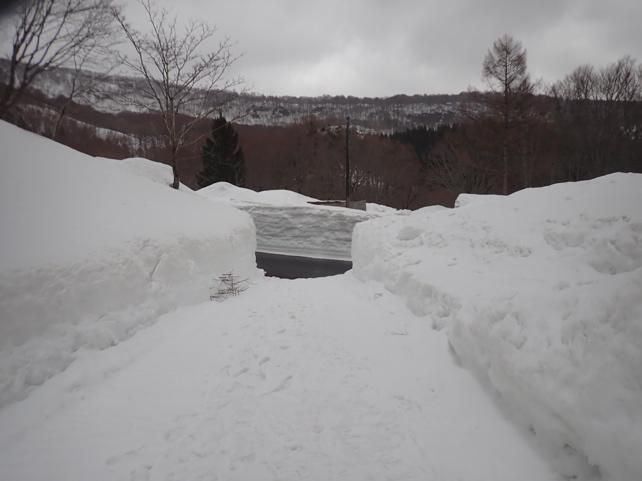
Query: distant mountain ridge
x: 373, y: 115
x: 369, y: 115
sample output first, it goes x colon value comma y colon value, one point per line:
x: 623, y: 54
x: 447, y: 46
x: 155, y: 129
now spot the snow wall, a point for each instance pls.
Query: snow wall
x: 94, y: 249
x: 314, y: 231
x: 540, y: 294
x: 287, y: 224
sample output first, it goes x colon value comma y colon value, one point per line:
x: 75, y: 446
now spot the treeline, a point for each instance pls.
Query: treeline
x: 562, y: 138
x: 309, y: 157
x: 586, y: 125
x: 515, y: 135
x: 525, y: 135
x: 306, y: 157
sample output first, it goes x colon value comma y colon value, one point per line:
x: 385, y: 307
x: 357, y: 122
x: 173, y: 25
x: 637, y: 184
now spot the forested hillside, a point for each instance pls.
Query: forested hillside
x: 406, y: 151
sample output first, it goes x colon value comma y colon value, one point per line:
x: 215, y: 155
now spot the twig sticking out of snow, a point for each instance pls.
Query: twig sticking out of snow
x: 228, y: 285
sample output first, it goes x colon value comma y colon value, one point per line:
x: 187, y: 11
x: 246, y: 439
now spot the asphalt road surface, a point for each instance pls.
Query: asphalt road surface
x: 296, y: 267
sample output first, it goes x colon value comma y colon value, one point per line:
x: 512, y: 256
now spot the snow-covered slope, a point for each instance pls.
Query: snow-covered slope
x: 91, y: 251
x: 287, y: 224
x: 373, y: 115
x: 540, y: 294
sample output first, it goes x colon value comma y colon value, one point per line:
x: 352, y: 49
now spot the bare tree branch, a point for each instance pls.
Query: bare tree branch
x: 182, y: 79
x: 49, y: 34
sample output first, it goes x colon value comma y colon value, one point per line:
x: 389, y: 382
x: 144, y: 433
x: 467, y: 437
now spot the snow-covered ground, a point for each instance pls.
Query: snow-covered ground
x: 500, y: 340
x: 540, y: 294
x: 93, y: 249
x: 286, y: 223
x: 311, y: 379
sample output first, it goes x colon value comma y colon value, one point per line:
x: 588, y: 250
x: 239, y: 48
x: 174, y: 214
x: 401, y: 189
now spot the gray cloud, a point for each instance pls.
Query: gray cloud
x: 381, y: 48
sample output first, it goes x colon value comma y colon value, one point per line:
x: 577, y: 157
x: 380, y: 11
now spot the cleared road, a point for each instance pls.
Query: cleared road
x: 296, y: 267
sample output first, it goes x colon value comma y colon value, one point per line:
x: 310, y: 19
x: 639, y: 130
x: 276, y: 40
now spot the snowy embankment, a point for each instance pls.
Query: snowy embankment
x: 287, y: 224
x: 540, y: 294
x: 93, y: 249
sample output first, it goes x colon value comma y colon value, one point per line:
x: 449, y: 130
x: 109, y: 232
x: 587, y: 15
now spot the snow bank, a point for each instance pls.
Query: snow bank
x: 383, y: 209
x: 91, y: 252
x: 540, y: 294
x: 229, y: 192
x: 155, y: 171
x: 287, y: 224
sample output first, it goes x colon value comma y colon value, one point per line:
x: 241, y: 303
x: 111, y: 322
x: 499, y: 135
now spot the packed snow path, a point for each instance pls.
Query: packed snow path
x: 322, y: 379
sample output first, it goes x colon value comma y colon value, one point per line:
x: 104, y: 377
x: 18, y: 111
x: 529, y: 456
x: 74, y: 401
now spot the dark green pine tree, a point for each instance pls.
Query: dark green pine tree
x: 222, y: 156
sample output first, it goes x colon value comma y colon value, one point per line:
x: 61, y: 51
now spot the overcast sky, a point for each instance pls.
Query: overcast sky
x: 382, y: 48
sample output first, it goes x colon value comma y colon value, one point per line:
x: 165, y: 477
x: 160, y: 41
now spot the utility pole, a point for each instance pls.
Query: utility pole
x: 347, y: 161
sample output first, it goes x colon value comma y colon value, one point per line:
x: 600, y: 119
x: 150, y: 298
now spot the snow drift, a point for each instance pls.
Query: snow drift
x: 227, y: 192
x: 287, y: 224
x: 540, y: 294
x: 93, y: 249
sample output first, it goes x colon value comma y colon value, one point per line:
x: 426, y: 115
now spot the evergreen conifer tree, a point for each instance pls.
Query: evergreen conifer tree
x: 222, y: 156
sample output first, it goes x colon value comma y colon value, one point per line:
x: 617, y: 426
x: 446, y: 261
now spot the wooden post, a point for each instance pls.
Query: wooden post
x: 347, y: 161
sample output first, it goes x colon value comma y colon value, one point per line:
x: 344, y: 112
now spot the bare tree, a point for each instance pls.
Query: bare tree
x: 89, y: 68
x: 619, y: 81
x: 581, y: 84
x: 504, y: 68
x: 599, y: 113
x: 182, y: 77
x: 458, y: 162
x: 49, y: 34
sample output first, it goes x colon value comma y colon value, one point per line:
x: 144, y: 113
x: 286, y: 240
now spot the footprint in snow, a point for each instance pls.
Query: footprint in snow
x: 282, y: 386
x: 241, y: 372
x: 123, y: 456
